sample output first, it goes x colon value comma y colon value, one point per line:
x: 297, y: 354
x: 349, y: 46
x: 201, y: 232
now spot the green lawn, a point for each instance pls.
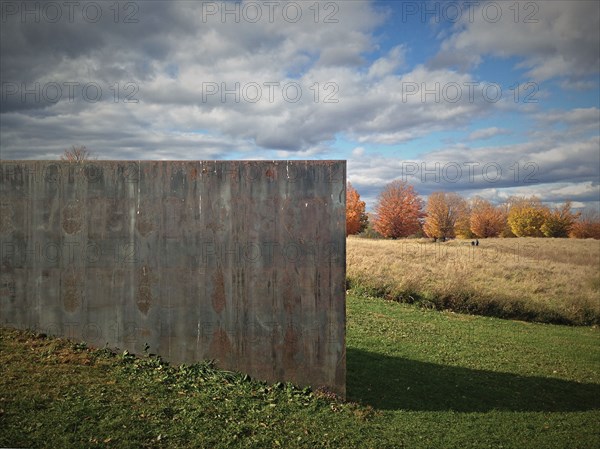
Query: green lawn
x: 422, y: 379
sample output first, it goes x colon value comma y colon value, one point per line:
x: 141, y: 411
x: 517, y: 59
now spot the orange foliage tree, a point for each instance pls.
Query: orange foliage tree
x: 443, y: 211
x: 587, y: 226
x: 486, y: 220
x: 356, y: 218
x: 398, y: 211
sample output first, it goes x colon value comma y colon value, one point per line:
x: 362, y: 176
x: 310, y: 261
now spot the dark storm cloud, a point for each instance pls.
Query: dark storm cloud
x: 35, y: 49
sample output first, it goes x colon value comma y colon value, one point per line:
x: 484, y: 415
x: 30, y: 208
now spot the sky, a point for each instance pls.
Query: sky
x: 489, y: 98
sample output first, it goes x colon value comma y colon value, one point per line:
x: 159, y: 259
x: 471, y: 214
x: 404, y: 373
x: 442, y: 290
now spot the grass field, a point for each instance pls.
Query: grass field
x: 416, y: 379
x: 546, y: 280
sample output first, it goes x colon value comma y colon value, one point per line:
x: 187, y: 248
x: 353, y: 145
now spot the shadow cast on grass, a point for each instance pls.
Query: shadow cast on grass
x: 394, y: 383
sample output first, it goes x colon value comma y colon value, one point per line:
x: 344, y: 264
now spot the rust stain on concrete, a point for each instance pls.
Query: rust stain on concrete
x: 72, y: 217
x: 144, y: 298
x: 145, y: 219
x: 220, y: 346
x: 71, y: 293
x: 218, y: 297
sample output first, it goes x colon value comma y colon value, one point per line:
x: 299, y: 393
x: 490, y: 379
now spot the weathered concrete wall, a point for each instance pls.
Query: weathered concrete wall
x: 238, y: 261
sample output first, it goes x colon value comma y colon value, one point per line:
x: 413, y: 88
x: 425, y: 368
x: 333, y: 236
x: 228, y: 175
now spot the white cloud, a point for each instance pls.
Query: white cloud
x: 174, y: 58
x: 388, y: 64
x: 554, y: 39
x: 555, y: 171
x: 581, y: 117
x: 358, y: 151
x: 487, y: 133
x: 280, y: 86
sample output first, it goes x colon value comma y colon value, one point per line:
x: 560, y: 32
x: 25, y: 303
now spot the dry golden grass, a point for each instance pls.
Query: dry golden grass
x: 549, y: 280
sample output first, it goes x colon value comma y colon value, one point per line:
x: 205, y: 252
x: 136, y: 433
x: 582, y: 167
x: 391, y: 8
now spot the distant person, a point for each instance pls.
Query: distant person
x: 472, y: 243
x: 476, y: 242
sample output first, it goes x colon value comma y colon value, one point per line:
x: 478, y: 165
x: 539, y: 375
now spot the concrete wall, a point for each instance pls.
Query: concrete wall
x: 238, y: 261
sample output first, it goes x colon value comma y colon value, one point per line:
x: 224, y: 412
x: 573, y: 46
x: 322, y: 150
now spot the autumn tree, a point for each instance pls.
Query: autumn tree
x: 526, y: 216
x: 462, y: 228
x: 505, y: 209
x: 76, y: 154
x: 586, y: 226
x: 486, y: 219
x: 443, y: 211
x: 559, y: 221
x: 398, y: 211
x: 356, y: 218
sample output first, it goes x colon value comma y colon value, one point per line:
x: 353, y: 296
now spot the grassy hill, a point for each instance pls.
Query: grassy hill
x: 544, y: 280
x: 416, y: 379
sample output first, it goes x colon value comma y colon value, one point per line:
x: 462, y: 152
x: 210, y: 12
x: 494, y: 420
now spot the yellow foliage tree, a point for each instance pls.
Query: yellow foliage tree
x: 527, y: 216
x: 462, y: 228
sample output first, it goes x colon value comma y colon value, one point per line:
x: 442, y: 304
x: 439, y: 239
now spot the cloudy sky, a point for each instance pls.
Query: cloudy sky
x: 489, y: 98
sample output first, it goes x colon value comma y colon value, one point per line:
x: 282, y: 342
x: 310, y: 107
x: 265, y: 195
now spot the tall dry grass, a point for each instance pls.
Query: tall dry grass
x: 547, y: 280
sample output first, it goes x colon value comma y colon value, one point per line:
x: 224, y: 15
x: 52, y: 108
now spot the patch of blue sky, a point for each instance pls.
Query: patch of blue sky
x: 418, y: 38
x: 561, y: 94
x: 407, y: 150
x: 502, y: 70
x: 172, y: 70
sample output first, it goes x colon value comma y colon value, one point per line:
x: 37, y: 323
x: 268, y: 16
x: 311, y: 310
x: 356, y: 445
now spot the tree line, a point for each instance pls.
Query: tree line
x: 400, y: 212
